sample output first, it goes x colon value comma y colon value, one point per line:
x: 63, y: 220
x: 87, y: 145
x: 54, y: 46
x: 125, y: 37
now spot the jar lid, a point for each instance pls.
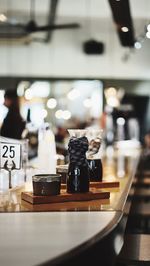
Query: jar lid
x: 62, y: 168
x: 46, y: 177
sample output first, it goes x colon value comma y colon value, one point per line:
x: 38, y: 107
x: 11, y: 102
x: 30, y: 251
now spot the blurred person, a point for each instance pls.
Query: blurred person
x: 94, y: 123
x: 107, y: 125
x: 60, y: 134
x: 144, y: 163
x: 147, y: 141
x: 13, y: 124
x: 128, y: 126
x: 133, y: 127
x: 60, y: 137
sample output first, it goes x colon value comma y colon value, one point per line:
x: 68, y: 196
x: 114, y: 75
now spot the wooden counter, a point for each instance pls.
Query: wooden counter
x: 37, y: 237
x: 10, y: 201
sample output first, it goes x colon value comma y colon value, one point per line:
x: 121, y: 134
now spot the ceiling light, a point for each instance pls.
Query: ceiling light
x: 148, y: 27
x: 40, y: 89
x: 21, y: 87
x: 110, y: 92
x: 124, y: 29
x: 28, y: 94
x: 120, y: 121
x: 51, y: 103
x: 111, y: 97
x: 44, y: 113
x: 148, y: 34
x: 3, y: 18
x: 137, y: 45
x: 59, y: 114
x: 112, y: 101
x: 66, y: 114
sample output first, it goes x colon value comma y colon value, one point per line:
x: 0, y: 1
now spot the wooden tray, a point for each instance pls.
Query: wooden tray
x: 103, y: 184
x: 64, y: 197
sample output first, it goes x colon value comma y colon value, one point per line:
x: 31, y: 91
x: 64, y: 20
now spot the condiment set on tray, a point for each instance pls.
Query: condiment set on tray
x: 80, y: 180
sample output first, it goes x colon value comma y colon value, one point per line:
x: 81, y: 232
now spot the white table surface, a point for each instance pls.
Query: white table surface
x: 33, y: 238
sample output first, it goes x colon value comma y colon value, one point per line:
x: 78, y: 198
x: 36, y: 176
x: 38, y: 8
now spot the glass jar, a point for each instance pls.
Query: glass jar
x: 78, y: 170
x: 93, y: 154
x: 24, y: 151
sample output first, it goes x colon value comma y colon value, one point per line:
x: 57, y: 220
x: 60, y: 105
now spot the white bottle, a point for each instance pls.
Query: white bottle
x: 47, y: 151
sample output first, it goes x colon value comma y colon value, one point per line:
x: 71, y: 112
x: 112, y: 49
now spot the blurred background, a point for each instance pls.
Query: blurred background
x: 77, y: 64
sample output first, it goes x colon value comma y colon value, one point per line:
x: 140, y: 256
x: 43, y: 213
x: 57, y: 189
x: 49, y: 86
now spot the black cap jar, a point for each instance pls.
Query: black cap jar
x: 78, y: 170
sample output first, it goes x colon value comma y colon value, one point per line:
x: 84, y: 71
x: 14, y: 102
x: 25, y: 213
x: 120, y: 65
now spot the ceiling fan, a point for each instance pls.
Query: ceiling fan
x: 17, y: 30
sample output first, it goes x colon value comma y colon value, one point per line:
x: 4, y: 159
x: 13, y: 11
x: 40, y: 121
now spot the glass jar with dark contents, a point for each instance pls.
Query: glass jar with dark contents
x: 78, y: 170
x: 96, y: 169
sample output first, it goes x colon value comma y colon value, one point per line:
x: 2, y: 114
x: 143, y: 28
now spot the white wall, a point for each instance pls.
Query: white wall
x: 63, y: 56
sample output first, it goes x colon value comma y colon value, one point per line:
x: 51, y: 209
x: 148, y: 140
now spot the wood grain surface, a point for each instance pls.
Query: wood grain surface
x: 64, y: 197
x: 103, y: 184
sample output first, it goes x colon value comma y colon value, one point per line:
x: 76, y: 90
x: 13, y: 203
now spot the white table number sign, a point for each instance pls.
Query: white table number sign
x: 10, y: 156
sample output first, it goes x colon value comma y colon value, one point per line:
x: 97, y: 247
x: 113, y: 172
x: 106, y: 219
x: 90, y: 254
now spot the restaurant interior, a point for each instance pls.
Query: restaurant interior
x: 75, y: 95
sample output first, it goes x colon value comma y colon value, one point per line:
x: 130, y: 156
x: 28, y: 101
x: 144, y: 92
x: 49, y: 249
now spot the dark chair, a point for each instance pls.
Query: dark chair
x: 135, y: 251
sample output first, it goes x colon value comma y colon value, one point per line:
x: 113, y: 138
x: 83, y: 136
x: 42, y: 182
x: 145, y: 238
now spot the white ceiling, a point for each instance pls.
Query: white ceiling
x: 93, y: 14
x: 99, y: 8
x: 78, y: 11
x: 74, y: 8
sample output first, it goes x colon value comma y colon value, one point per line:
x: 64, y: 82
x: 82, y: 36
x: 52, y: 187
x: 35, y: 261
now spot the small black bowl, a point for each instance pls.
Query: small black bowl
x: 46, y: 184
